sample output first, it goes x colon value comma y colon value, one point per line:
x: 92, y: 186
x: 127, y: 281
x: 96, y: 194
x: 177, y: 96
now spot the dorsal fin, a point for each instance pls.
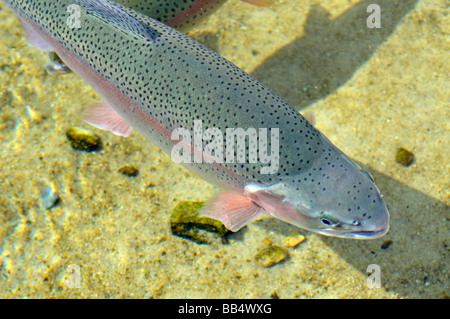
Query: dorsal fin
x: 111, y: 13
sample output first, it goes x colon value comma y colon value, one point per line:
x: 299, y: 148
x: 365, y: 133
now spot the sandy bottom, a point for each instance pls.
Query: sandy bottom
x: 371, y: 90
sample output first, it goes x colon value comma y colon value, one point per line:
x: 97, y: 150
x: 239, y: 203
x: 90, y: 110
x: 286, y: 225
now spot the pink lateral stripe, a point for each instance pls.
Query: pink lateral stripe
x: 191, y: 11
x: 261, y: 3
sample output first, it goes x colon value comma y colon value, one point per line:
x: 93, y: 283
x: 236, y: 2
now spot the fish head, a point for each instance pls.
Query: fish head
x: 336, y: 198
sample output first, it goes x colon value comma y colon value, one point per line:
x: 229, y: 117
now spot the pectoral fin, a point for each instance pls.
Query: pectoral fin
x: 56, y: 66
x: 233, y: 210
x: 103, y: 116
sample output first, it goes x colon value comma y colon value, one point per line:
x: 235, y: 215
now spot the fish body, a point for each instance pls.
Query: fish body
x: 164, y: 85
x: 180, y: 14
x: 183, y: 15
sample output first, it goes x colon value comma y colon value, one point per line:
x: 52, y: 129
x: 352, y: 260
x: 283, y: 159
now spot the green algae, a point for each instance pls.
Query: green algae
x: 404, y: 157
x: 184, y: 222
x: 271, y: 255
x: 83, y: 139
x: 129, y: 170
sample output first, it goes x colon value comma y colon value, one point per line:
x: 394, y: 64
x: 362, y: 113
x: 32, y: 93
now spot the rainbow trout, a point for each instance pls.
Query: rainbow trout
x: 181, y: 14
x: 210, y: 116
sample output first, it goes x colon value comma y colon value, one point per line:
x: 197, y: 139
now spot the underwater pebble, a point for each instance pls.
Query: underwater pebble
x: 83, y: 139
x: 404, y: 157
x: 271, y: 255
x: 49, y: 198
x: 386, y: 244
x: 293, y: 241
x: 129, y: 170
x: 184, y: 222
x: 274, y: 295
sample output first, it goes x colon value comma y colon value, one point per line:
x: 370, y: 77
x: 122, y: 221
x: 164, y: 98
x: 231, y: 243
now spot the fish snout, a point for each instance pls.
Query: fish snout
x: 377, y: 220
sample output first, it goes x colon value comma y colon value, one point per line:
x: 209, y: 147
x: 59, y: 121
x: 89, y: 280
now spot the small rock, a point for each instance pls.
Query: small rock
x: 271, y: 255
x: 386, y: 244
x: 293, y: 241
x: 83, y: 139
x: 274, y: 295
x: 184, y: 222
x: 129, y: 170
x: 404, y: 157
x: 49, y: 198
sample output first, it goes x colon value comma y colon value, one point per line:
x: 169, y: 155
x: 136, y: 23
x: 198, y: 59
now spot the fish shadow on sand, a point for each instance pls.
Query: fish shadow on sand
x: 413, y: 256
x: 330, y: 52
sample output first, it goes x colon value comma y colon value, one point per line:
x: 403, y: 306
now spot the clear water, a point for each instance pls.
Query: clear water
x: 371, y: 90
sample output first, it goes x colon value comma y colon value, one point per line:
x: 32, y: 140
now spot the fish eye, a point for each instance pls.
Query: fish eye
x: 327, y: 219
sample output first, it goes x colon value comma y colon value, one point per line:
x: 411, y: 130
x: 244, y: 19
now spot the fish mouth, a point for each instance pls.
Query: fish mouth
x: 363, y: 234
